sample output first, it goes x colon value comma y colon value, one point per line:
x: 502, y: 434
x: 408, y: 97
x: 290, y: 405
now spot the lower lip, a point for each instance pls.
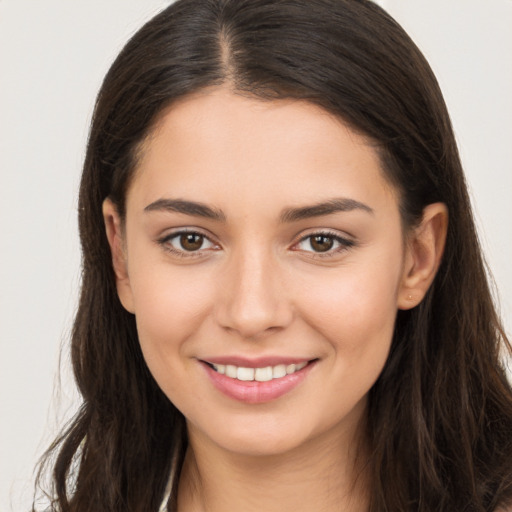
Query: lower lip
x: 255, y: 392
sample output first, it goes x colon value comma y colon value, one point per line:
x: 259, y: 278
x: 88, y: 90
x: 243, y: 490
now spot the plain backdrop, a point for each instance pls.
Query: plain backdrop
x: 53, y: 55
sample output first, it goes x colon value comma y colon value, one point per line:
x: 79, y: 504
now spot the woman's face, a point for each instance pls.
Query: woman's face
x: 263, y: 258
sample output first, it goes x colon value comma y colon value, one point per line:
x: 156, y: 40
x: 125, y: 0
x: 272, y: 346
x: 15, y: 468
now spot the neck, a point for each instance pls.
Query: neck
x: 325, y: 475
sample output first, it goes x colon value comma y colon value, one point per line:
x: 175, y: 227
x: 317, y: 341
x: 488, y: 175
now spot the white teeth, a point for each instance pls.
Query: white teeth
x: 290, y: 369
x: 279, y: 371
x: 263, y: 374
x: 220, y: 368
x: 245, y: 373
x: 258, y: 374
x: 231, y: 371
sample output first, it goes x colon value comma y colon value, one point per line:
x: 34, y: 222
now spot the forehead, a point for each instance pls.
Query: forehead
x: 215, y: 142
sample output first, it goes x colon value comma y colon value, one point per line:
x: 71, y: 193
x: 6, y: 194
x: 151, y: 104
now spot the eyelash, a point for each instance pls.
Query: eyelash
x: 343, y: 244
x: 183, y: 253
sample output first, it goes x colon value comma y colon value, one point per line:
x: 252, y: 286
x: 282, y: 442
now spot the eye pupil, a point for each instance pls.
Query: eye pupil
x: 191, y: 241
x: 321, y: 243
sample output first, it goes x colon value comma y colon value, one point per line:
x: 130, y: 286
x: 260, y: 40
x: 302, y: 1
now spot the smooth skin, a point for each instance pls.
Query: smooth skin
x: 257, y: 273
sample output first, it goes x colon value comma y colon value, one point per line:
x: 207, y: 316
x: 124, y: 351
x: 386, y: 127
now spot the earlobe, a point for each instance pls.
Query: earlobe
x: 114, y: 232
x: 423, y: 255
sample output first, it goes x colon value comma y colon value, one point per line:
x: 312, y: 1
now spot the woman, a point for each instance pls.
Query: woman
x: 284, y: 304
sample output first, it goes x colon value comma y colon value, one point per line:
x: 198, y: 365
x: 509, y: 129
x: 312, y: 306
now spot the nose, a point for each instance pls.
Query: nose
x: 253, y: 300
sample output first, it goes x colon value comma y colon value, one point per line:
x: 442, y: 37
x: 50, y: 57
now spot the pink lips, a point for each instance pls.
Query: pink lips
x: 254, y: 392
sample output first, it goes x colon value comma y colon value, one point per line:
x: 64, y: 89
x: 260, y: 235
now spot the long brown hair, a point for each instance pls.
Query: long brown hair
x: 440, y: 415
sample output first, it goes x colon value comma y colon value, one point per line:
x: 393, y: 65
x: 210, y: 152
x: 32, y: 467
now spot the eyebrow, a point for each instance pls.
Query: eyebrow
x: 187, y: 207
x: 324, y: 208
x: 197, y: 209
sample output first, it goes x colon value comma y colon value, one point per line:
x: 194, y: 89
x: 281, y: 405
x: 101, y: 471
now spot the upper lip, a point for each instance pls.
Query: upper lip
x: 256, y: 362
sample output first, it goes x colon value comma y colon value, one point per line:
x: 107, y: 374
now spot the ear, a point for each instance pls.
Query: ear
x: 114, y: 230
x: 423, y: 255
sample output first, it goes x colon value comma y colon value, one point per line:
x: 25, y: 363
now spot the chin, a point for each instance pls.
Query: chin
x: 256, y: 437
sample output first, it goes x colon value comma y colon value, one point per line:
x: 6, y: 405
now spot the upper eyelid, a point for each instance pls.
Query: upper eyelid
x: 192, y: 229
x: 334, y: 233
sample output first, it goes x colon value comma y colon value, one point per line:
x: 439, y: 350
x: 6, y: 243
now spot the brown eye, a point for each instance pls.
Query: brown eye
x: 324, y: 244
x: 321, y: 243
x: 187, y: 243
x: 191, y: 241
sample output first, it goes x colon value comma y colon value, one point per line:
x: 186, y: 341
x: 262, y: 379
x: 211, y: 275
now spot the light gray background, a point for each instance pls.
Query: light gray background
x: 53, y: 55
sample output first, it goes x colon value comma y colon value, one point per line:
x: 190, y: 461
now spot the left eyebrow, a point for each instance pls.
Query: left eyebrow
x: 186, y: 207
x: 324, y: 208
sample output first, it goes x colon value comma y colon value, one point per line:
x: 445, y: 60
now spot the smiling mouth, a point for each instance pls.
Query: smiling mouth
x: 264, y: 374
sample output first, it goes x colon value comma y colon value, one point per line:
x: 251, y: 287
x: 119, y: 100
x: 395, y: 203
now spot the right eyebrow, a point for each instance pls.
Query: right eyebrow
x: 324, y: 208
x: 186, y: 207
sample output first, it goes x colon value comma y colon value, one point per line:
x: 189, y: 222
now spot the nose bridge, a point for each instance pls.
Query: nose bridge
x: 253, y: 300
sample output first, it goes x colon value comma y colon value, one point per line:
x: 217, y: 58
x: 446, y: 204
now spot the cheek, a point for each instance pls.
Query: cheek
x: 356, y: 302
x: 170, y: 306
x: 354, y: 308
x: 356, y: 322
